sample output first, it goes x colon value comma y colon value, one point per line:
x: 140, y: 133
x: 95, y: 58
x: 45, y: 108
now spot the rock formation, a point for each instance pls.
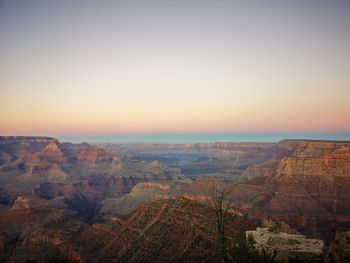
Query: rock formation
x: 288, y: 247
x: 309, y: 189
x: 37, y: 233
x: 173, y: 230
x: 50, y: 191
x: 125, y: 204
x: 82, y: 176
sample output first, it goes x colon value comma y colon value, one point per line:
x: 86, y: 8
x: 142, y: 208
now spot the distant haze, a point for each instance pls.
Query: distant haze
x: 146, y: 67
x: 203, y: 137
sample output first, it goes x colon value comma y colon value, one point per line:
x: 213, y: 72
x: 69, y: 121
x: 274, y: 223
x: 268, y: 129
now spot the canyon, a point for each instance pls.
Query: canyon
x: 123, y: 202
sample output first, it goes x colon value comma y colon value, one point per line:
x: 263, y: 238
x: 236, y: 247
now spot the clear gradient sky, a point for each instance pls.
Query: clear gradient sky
x: 90, y: 67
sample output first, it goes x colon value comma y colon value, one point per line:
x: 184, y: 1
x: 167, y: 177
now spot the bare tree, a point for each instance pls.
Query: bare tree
x: 221, y: 212
x: 238, y: 248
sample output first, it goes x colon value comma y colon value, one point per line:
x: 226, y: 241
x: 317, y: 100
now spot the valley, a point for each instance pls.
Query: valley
x: 104, y: 202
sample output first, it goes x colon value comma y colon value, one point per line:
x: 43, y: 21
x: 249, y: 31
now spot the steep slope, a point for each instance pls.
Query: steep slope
x: 312, y: 191
x: 34, y: 230
x: 174, y: 230
x: 309, y: 190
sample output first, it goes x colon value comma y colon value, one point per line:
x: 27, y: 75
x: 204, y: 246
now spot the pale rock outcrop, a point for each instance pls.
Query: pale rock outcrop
x: 288, y: 247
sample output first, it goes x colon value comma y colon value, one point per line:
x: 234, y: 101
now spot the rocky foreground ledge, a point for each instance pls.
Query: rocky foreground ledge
x: 288, y: 247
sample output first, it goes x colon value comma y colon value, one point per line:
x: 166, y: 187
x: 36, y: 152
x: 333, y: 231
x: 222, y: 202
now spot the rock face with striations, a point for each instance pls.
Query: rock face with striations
x: 82, y: 175
x: 303, y: 183
x: 309, y: 190
x: 173, y: 230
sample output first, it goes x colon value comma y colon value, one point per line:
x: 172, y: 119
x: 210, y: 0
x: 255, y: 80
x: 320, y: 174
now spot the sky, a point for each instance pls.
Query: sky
x: 124, y: 67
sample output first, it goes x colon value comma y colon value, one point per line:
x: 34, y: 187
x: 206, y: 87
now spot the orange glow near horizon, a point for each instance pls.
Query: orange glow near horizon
x: 63, y: 123
x: 174, y: 67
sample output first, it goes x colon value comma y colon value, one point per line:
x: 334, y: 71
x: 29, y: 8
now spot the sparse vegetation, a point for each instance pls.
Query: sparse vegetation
x: 238, y: 248
x: 243, y: 249
x: 221, y: 212
x: 276, y: 228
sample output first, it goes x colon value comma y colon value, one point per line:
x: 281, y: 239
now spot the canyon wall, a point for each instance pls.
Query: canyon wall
x: 309, y: 189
